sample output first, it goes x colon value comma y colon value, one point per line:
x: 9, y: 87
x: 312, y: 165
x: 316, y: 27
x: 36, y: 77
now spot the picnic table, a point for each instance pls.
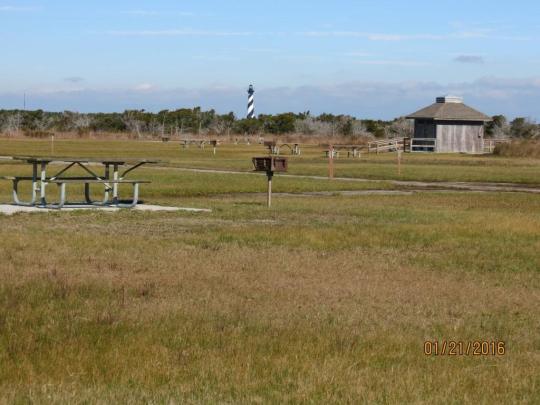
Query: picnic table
x: 199, y: 142
x: 352, y: 150
x: 111, y: 179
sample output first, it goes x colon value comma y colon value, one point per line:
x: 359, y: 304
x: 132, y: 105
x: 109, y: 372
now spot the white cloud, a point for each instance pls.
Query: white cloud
x: 333, y: 34
x: 375, y: 36
x: 260, y: 50
x: 470, y: 59
x: 383, y: 62
x: 385, y: 100
x: 397, y: 37
x: 214, y: 58
x: 391, y: 37
x: 142, y: 12
x: 356, y: 54
x: 74, y: 79
x: 178, y: 33
x: 149, y: 13
x: 17, y: 8
x: 144, y: 87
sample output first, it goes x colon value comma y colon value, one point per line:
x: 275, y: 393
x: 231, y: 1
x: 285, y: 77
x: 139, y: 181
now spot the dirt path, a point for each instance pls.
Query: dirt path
x: 450, y: 185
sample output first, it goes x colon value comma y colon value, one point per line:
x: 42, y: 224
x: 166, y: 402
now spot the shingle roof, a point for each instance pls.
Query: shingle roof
x: 450, y: 111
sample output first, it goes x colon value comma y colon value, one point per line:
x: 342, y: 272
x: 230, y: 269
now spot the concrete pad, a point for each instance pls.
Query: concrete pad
x: 148, y: 207
x: 10, y: 209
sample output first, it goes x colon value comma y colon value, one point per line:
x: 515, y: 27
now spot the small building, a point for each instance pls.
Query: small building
x: 448, y: 126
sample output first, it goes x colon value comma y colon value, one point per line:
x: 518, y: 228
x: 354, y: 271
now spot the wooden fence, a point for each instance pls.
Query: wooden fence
x: 490, y: 144
x: 388, y: 145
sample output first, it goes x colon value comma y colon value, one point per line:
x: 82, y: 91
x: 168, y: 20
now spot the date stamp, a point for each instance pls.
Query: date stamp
x: 464, y: 348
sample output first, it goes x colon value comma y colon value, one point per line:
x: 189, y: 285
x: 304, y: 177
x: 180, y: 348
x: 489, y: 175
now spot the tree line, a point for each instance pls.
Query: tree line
x: 196, y: 121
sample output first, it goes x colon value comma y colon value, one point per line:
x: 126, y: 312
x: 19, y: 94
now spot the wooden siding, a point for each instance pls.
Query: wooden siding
x: 452, y: 136
x: 459, y: 138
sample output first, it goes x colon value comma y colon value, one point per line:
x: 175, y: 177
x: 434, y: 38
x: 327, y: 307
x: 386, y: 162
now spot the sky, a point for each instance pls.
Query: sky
x: 368, y: 58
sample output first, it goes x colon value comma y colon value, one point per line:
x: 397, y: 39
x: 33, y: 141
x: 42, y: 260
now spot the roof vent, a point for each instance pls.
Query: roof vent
x: 450, y: 99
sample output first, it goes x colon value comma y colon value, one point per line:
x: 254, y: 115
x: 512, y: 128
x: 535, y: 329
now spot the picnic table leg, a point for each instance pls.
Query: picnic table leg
x: 34, y: 183
x: 61, y: 203
x: 135, y: 198
x: 107, y: 187
x: 115, y: 185
x: 87, y: 193
x: 43, y: 183
x: 87, y: 196
x: 89, y: 200
x: 16, y: 199
x: 15, y: 190
x: 62, y: 195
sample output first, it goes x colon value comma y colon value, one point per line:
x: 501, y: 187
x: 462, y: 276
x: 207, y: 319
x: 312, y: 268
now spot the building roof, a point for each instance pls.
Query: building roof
x: 450, y: 108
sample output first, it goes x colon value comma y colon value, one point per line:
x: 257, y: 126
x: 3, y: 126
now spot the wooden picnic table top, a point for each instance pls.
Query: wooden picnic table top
x: 67, y: 159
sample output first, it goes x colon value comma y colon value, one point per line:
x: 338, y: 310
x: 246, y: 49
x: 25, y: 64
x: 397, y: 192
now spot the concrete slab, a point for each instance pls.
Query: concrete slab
x: 10, y: 209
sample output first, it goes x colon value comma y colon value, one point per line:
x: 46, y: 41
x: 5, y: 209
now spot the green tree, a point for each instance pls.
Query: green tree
x: 524, y: 128
x: 497, y: 127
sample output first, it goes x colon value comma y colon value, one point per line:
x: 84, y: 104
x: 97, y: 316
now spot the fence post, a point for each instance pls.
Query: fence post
x: 331, y: 162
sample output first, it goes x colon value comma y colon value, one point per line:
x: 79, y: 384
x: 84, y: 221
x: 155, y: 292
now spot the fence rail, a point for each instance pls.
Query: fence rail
x: 421, y: 145
x: 387, y: 145
x: 490, y: 144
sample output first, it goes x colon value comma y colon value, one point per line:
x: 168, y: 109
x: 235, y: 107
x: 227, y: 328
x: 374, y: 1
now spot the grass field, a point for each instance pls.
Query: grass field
x: 419, y: 166
x: 325, y: 299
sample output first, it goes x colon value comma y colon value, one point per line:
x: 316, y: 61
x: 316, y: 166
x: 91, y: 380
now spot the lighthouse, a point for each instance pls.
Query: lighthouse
x: 251, y: 102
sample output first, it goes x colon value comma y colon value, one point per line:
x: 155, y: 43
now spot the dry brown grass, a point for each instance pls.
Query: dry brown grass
x: 299, y: 304
x: 318, y: 300
x: 524, y: 148
x: 230, y: 139
x: 90, y: 135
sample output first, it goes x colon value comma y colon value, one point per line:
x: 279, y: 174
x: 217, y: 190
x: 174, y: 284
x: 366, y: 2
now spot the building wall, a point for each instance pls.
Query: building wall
x: 460, y: 137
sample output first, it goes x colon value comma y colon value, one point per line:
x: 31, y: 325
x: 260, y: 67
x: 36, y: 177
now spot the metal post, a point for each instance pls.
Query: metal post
x: 62, y: 195
x: 269, y: 174
x: 107, y: 186
x: 34, y: 182
x: 43, y: 183
x: 115, y: 184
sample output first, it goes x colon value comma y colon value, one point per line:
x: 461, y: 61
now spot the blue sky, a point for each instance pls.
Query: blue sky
x: 376, y: 59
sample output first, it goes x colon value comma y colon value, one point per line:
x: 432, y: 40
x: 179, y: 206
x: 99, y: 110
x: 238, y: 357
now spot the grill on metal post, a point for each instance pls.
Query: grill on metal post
x: 269, y: 165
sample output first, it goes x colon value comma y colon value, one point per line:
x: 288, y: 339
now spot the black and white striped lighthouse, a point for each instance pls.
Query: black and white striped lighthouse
x: 251, y: 102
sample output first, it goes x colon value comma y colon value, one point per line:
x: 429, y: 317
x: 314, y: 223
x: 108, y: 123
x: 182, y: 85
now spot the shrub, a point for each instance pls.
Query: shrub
x: 524, y: 148
x: 34, y: 133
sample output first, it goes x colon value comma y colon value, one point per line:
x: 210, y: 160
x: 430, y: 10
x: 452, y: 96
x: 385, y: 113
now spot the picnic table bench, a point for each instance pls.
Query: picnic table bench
x: 110, y: 180
x: 274, y: 148
x: 335, y: 153
x: 200, y: 142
